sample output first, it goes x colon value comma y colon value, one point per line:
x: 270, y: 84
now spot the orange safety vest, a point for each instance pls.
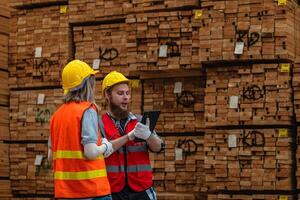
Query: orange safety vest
x: 131, y: 160
x: 74, y: 175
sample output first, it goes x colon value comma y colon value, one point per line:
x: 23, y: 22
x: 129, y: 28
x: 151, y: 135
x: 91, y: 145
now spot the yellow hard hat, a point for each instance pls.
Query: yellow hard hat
x: 112, y: 79
x: 74, y: 74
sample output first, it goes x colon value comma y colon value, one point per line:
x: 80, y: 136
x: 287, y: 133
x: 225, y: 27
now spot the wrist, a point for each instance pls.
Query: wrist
x: 106, y: 147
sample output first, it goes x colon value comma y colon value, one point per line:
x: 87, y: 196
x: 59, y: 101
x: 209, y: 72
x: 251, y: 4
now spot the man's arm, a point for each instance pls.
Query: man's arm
x: 155, y: 143
x: 118, y: 143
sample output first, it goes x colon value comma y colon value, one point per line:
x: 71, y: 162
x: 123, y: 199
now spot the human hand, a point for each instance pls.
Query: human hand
x: 142, y: 131
x: 109, y: 148
x: 131, y: 135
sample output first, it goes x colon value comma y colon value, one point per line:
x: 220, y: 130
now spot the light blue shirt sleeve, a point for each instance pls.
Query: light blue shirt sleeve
x: 89, y: 129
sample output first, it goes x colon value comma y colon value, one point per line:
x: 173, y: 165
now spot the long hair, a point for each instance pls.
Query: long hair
x: 85, y: 92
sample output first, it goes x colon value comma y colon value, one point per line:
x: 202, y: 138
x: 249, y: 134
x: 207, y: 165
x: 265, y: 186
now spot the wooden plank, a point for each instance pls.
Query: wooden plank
x: 4, y: 160
x: 5, y: 189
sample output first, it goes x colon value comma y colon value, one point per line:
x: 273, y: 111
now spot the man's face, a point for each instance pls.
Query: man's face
x: 120, y: 96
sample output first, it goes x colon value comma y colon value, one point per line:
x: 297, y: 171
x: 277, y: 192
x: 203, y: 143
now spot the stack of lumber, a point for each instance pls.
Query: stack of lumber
x: 25, y: 176
x: 180, y: 112
x: 39, y: 47
x: 5, y: 184
x: 248, y: 159
x: 162, y: 41
x: 267, y: 30
x: 105, y: 42
x: 172, y: 168
x: 248, y: 95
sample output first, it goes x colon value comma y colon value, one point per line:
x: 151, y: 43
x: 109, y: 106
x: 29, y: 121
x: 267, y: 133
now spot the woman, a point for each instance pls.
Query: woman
x: 75, y: 144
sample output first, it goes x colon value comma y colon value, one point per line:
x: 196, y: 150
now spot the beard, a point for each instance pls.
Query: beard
x: 117, y: 111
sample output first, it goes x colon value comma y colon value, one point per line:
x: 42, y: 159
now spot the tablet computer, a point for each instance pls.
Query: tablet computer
x: 152, y: 116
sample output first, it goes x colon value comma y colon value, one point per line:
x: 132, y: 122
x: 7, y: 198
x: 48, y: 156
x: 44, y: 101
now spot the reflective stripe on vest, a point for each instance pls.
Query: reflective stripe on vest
x: 72, y: 170
x: 80, y: 175
x: 134, y: 149
x: 71, y: 155
x: 138, y: 166
x: 131, y: 168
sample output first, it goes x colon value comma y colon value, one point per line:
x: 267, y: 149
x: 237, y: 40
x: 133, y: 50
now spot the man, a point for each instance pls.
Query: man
x: 129, y: 169
x: 75, y: 144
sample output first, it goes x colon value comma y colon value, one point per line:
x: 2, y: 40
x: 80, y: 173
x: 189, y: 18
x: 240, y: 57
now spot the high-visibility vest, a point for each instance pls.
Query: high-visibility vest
x: 74, y: 175
x: 131, y: 160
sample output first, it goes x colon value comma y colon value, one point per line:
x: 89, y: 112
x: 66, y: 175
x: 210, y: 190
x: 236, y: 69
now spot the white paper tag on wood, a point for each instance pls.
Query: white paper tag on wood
x: 234, y: 102
x: 96, y: 63
x: 41, y: 98
x: 38, y: 52
x: 178, y: 88
x: 163, y: 51
x: 232, y: 141
x: 38, y: 160
x: 239, y: 48
x: 178, y: 154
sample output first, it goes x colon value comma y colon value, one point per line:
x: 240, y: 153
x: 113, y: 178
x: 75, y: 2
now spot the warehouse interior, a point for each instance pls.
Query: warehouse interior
x: 224, y: 74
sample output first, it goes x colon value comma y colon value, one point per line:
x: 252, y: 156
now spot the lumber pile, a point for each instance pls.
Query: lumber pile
x: 39, y: 47
x: 248, y: 197
x: 162, y: 41
x: 30, y: 113
x: 248, y: 95
x: 296, y: 90
x: 141, y: 6
x: 181, y: 106
x: 86, y: 11
x: 242, y: 30
x: 248, y: 159
x: 32, y: 3
x: 5, y: 184
x: 107, y: 43
x: 179, y: 168
x: 25, y: 176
